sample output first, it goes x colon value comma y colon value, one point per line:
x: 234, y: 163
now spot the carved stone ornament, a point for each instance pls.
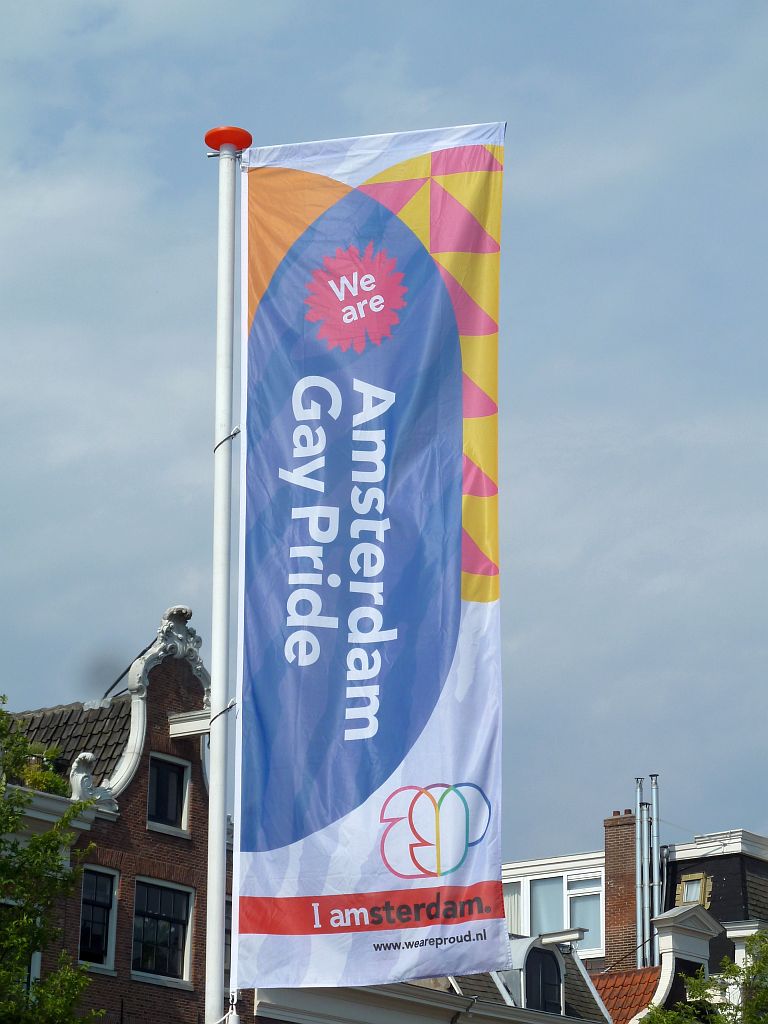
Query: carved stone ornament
x: 81, y: 783
x: 175, y: 639
x: 178, y: 640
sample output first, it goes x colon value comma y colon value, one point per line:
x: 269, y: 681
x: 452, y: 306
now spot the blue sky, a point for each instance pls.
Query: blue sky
x: 633, y: 355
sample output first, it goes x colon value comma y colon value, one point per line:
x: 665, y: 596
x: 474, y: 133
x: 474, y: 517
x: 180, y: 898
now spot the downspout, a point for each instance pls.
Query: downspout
x: 664, y: 868
x: 645, y: 839
x: 468, y: 1010
x: 655, y: 861
x: 638, y: 873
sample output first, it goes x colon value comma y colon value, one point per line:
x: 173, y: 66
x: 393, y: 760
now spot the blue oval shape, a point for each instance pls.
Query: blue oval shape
x: 299, y: 772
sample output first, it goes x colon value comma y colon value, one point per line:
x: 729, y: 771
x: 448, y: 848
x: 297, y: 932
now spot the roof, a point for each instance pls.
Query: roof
x: 579, y: 998
x: 626, y: 993
x: 481, y: 986
x: 757, y: 893
x: 100, y: 727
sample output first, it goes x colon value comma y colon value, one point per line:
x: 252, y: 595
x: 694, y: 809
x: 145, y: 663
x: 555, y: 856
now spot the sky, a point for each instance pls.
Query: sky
x: 634, y: 427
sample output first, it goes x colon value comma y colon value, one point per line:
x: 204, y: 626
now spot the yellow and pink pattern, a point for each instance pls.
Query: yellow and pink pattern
x: 452, y: 201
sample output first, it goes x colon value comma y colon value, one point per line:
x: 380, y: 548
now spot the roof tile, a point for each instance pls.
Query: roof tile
x: 73, y: 728
x: 625, y: 993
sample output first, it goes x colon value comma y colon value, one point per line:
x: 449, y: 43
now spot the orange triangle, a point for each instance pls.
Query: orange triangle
x: 282, y: 204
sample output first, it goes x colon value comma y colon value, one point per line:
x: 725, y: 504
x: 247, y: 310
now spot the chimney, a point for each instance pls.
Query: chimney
x: 620, y: 891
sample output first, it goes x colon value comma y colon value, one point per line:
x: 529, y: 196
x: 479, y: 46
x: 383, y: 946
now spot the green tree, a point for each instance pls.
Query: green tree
x: 737, y: 995
x: 33, y: 877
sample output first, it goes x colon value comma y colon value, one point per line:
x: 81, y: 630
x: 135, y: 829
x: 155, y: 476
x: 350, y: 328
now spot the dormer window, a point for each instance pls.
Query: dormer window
x: 167, y: 799
x: 543, y: 981
x: 695, y: 887
x: 692, y: 890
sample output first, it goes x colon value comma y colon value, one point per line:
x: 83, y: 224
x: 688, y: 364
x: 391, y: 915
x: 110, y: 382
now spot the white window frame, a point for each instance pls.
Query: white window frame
x: 598, y: 889
x: 108, y: 967
x: 157, y: 826
x: 185, y: 981
x: 597, y: 873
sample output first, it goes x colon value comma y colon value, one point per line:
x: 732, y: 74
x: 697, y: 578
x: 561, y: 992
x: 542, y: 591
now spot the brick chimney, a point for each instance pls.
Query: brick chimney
x: 620, y: 893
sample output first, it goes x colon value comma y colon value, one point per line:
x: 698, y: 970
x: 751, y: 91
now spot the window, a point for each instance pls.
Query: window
x: 167, y: 804
x: 695, y: 887
x: 536, y: 903
x: 692, y: 890
x: 512, y: 908
x: 160, y: 930
x: 584, y: 910
x: 542, y: 981
x: 97, y: 917
x: 546, y: 905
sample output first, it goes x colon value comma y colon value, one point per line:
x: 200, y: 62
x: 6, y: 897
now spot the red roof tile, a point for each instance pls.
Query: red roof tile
x: 626, y: 993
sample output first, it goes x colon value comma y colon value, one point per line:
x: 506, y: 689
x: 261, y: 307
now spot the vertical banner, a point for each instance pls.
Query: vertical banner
x: 368, y: 805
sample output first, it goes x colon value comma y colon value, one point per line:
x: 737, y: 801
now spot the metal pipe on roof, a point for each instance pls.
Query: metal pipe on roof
x: 655, y: 862
x: 645, y: 825
x: 638, y: 873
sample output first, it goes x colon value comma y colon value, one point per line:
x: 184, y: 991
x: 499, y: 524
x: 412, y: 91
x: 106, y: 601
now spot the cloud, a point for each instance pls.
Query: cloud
x: 635, y: 562
x: 601, y: 141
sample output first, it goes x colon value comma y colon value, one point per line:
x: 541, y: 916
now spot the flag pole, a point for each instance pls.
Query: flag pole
x: 229, y: 142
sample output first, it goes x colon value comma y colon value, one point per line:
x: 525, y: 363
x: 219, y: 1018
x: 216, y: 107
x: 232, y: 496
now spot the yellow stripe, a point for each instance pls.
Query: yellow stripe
x: 498, y: 152
x: 478, y: 274
x: 479, y: 360
x: 418, y: 167
x: 479, y: 588
x: 480, y: 518
x: 415, y: 214
x: 481, y: 444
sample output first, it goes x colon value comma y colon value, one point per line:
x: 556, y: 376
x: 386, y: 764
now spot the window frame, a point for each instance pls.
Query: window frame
x: 544, y: 956
x: 108, y: 967
x: 586, y: 951
x: 593, y: 890
x: 181, y: 830
x: 705, y: 890
x: 185, y: 981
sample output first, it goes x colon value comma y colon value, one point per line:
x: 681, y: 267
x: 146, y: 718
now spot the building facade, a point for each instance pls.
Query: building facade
x: 138, y: 919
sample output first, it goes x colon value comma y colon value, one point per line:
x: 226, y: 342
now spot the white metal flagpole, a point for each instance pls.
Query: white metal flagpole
x: 229, y: 142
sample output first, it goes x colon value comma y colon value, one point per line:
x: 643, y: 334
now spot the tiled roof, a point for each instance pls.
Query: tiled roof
x: 625, y: 993
x: 101, y: 728
x: 757, y: 894
x: 579, y: 999
x: 482, y: 986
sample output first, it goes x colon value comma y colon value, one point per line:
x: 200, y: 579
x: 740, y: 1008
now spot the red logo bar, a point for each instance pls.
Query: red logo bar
x: 370, y: 911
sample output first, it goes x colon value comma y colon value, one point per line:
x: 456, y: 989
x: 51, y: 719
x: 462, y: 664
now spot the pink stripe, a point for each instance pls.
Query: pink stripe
x: 474, y: 560
x: 472, y: 319
x: 464, y: 158
x: 452, y: 228
x: 476, y: 482
x: 476, y: 402
x: 393, y: 194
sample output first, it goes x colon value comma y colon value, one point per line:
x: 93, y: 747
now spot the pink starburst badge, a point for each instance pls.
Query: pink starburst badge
x: 355, y: 298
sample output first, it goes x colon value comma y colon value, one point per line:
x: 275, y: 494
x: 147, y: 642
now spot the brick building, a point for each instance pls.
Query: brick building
x: 138, y: 919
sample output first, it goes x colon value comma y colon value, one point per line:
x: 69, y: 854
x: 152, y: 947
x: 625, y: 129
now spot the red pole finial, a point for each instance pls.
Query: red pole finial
x: 237, y: 137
